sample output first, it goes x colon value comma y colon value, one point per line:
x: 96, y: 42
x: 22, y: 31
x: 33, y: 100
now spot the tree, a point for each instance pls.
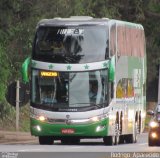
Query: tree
x: 19, y: 18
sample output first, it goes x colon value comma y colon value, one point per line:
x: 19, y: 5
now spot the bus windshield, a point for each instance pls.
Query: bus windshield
x: 69, y: 90
x: 76, y: 44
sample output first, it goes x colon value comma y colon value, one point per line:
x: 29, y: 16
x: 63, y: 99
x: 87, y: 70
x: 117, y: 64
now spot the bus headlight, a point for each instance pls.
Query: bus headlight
x: 98, y: 118
x: 153, y: 124
x: 100, y: 128
x: 95, y: 119
x: 38, y: 128
x: 41, y: 118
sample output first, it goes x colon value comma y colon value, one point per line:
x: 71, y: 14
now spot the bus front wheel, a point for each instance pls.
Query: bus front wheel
x: 45, y: 140
x: 108, y: 140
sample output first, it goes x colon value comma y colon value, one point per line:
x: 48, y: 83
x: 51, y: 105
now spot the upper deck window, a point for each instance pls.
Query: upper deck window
x: 78, y: 44
x: 130, y: 41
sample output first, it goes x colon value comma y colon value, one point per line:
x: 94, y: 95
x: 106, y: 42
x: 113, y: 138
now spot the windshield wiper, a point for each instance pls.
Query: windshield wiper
x: 79, y: 103
x: 91, y: 105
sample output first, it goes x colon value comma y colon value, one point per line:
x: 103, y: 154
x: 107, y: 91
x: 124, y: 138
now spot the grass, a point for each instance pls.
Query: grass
x: 8, y: 123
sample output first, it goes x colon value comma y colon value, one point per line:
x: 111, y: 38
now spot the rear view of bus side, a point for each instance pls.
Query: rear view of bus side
x: 127, y: 44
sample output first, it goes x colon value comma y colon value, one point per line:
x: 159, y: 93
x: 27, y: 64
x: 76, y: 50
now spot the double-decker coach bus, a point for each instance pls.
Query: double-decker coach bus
x: 88, y: 80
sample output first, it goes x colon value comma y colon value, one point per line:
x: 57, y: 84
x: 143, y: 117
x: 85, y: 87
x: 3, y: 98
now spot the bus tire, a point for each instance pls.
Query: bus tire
x: 128, y: 138
x: 121, y: 139
x: 139, y: 125
x: 45, y: 140
x: 108, y: 140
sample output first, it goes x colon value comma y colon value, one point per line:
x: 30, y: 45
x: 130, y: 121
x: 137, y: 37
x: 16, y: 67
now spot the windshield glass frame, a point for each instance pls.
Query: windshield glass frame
x: 74, y: 90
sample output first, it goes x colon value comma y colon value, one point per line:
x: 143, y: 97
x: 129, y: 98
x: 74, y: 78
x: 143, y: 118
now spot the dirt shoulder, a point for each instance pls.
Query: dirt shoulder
x: 9, y: 137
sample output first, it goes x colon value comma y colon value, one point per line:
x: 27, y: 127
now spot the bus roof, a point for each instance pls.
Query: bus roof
x: 84, y: 20
x: 74, y: 20
x: 129, y: 24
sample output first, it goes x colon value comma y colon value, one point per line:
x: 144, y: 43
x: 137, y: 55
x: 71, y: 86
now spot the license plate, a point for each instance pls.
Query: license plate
x: 67, y: 131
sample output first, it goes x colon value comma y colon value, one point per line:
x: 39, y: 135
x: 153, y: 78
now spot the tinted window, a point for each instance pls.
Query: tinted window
x: 71, y: 44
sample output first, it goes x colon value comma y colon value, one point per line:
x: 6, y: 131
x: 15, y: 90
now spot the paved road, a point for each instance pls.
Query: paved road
x: 88, y: 148
x: 86, y: 145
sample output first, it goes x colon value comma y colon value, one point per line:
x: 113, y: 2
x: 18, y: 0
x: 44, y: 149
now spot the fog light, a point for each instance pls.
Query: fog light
x: 38, y: 128
x: 95, y: 119
x: 99, y: 128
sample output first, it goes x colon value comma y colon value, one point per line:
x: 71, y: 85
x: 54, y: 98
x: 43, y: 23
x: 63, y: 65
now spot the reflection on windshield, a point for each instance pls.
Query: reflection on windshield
x: 71, y: 44
x: 90, y: 88
x: 80, y: 89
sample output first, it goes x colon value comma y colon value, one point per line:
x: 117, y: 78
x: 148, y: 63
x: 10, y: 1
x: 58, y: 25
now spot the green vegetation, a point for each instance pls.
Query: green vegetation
x: 7, y: 122
x: 19, y: 18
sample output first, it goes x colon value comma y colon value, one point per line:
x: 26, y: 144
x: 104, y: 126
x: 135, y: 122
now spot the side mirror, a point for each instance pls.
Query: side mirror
x: 112, y: 69
x: 150, y: 112
x: 24, y: 71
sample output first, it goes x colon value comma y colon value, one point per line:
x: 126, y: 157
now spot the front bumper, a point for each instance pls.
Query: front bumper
x: 97, y: 129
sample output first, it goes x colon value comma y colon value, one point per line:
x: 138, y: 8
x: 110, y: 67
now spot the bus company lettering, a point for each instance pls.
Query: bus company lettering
x: 70, y: 31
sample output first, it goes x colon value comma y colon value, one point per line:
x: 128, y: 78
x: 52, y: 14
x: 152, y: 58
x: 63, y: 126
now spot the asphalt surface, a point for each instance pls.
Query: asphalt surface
x: 23, y: 145
x: 24, y: 142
